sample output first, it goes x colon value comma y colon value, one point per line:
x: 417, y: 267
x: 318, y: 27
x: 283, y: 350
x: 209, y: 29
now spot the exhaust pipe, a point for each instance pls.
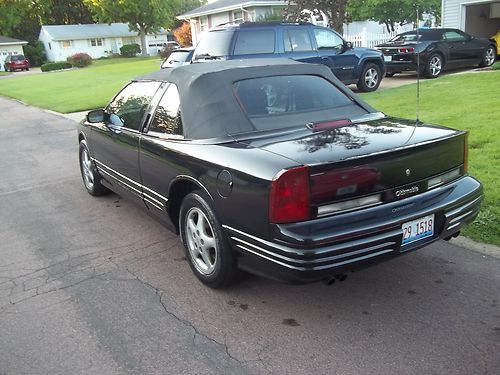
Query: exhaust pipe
x: 339, y: 277
x: 454, y: 235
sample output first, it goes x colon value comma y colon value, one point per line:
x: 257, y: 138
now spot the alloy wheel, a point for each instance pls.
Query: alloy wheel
x: 489, y: 57
x: 88, y: 174
x: 371, y: 78
x: 201, y: 241
x: 435, y: 66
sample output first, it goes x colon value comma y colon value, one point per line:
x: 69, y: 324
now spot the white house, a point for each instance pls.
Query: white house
x: 10, y: 46
x: 217, y: 12
x: 477, y: 17
x: 97, y: 40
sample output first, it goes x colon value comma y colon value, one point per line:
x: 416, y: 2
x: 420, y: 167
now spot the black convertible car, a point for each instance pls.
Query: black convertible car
x: 275, y: 167
x: 438, y: 50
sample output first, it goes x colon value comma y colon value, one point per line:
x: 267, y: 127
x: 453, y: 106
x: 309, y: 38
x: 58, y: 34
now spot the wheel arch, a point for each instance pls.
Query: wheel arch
x: 178, y: 189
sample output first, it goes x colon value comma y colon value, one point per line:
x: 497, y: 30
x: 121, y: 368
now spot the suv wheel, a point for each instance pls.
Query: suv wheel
x: 370, y: 78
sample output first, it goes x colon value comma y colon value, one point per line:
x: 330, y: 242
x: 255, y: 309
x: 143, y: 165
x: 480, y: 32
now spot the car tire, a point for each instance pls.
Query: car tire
x: 90, y: 175
x: 434, y: 66
x: 27, y: 69
x: 207, y: 250
x: 489, y: 57
x: 370, y: 78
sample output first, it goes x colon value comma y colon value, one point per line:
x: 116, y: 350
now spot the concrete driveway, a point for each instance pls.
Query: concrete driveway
x: 95, y: 286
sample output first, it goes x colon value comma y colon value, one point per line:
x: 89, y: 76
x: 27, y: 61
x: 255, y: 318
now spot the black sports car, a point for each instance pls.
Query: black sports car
x: 275, y: 167
x: 437, y: 49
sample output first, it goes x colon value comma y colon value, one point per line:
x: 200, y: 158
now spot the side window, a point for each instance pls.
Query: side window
x: 129, y: 106
x: 167, y: 118
x: 453, y: 36
x: 296, y: 40
x: 327, y: 39
x: 254, y: 42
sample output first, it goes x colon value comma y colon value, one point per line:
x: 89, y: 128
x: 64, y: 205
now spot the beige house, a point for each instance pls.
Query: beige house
x: 10, y: 46
x: 228, y: 11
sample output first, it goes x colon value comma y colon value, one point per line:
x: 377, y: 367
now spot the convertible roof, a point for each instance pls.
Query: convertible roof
x: 209, y: 108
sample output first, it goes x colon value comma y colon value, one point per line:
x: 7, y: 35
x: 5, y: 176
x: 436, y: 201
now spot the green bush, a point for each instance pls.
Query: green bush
x: 35, y: 53
x: 80, y: 60
x: 496, y: 66
x: 130, y: 50
x: 58, y: 65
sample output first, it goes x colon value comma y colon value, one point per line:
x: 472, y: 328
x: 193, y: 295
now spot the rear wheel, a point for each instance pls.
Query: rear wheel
x: 209, y: 255
x: 90, y: 176
x: 489, y: 57
x: 434, y: 66
x: 370, y: 78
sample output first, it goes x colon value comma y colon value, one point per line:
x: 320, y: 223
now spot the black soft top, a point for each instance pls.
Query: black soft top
x: 209, y: 107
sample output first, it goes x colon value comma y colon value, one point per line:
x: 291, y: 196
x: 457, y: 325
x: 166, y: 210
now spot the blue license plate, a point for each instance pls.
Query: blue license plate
x: 417, y: 229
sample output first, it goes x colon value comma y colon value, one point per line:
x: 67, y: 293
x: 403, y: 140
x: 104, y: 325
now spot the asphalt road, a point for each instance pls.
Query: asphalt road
x: 95, y: 286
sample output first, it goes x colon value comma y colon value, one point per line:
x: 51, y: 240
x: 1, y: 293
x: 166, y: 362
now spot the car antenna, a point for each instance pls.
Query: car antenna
x: 418, y: 68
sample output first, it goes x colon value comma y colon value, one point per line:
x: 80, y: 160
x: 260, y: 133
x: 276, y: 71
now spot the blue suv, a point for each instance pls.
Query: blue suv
x: 299, y: 41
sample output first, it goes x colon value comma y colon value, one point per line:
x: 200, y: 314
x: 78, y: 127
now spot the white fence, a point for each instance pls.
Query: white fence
x: 370, y: 40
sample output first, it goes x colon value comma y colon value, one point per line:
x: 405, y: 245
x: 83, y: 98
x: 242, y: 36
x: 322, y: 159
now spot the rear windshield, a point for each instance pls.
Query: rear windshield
x: 284, y: 101
x: 412, y: 37
x: 17, y: 57
x: 178, y: 56
x: 214, y: 44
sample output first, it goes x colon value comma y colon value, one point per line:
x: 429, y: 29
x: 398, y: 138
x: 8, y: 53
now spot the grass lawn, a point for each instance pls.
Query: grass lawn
x: 5, y: 73
x: 79, y: 89
x: 468, y: 102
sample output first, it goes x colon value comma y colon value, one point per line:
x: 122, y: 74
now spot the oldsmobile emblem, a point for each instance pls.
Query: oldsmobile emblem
x: 408, y: 172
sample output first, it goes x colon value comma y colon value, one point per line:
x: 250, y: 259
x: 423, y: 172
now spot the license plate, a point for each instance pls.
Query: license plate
x: 387, y: 58
x: 417, y: 229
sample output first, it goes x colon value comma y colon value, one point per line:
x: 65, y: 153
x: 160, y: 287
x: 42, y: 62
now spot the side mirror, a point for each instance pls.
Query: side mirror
x: 97, y: 115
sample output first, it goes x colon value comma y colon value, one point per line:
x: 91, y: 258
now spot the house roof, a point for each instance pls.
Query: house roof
x: 226, y: 5
x: 5, y: 40
x: 88, y: 31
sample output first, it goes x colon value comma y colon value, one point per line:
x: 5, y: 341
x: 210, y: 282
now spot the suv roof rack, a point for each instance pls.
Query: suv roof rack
x: 273, y: 23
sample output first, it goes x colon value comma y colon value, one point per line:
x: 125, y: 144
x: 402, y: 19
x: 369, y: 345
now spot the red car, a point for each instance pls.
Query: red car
x: 14, y: 62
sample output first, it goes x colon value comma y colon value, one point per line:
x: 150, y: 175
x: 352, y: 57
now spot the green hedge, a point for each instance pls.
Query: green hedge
x: 55, y: 66
x: 130, y: 50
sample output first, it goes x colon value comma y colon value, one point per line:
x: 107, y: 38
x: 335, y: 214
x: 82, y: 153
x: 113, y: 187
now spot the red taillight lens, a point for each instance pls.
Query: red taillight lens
x: 407, y: 50
x: 289, y: 199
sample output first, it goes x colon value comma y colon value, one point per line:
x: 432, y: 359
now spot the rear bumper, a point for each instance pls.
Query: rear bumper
x: 398, y: 67
x: 321, y: 248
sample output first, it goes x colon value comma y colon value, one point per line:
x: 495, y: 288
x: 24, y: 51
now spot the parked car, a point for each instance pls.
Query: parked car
x: 437, y: 50
x: 178, y: 57
x: 298, y: 41
x: 496, y: 39
x: 16, y: 62
x: 283, y: 172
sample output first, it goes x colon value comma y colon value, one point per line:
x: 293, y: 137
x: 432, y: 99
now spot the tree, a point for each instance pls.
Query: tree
x: 12, y: 15
x: 334, y: 9
x: 392, y: 12
x: 183, y: 34
x: 63, y: 12
x: 143, y: 16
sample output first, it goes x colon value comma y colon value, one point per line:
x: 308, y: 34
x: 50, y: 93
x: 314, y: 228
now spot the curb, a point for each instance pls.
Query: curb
x: 467, y: 243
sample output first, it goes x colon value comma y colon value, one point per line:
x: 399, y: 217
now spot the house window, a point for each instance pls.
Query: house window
x: 66, y: 44
x: 96, y: 42
x: 238, y: 16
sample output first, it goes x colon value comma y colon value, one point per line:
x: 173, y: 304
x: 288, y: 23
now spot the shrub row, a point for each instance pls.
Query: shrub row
x: 58, y: 65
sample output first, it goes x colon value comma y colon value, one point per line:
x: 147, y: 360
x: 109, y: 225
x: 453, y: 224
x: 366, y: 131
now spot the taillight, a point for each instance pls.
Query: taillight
x: 289, y: 198
x: 466, y: 153
x: 407, y: 50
